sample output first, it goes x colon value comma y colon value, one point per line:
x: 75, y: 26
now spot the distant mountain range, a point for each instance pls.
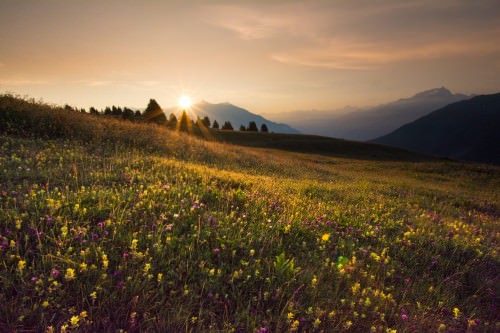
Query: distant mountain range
x: 368, y: 123
x: 237, y: 116
x: 467, y: 130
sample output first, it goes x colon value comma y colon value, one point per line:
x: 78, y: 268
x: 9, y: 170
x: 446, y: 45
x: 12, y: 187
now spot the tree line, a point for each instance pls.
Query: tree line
x: 154, y: 114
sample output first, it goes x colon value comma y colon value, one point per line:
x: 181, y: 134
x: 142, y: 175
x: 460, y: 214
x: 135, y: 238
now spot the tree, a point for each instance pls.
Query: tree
x: 263, y: 128
x: 242, y: 128
x: 215, y: 124
x: 172, y: 120
x: 93, y: 110
x: 127, y: 113
x: 138, y: 114
x: 206, y: 121
x: 184, y: 122
x: 116, y: 111
x: 154, y: 113
x: 252, y: 127
x: 227, y: 126
x: 107, y: 111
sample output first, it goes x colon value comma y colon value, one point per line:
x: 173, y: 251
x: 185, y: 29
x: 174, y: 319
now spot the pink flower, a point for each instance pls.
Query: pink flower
x: 404, y: 317
x: 55, y: 272
x: 216, y: 250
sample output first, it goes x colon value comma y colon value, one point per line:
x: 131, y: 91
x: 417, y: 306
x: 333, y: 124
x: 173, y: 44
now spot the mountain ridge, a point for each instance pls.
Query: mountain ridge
x: 363, y: 124
x: 463, y: 130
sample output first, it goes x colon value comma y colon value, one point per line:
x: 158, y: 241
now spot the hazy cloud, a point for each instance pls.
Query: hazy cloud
x: 345, y: 55
x: 248, y: 23
x: 372, y: 35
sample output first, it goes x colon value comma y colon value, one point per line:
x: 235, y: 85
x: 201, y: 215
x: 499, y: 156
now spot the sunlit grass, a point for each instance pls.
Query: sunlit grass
x: 183, y: 234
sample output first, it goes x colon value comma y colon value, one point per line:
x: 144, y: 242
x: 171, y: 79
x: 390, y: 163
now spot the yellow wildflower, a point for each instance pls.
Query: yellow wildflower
x: 70, y: 274
x: 74, y: 321
x: 325, y: 237
x: 21, y: 265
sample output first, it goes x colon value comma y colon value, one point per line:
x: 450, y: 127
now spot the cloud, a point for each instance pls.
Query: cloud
x: 369, y: 56
x: 247, y: 23
x: 364, y: 35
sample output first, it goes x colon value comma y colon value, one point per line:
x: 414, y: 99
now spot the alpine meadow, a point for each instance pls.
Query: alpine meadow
x: 222, y: 166
x: 110, y: 226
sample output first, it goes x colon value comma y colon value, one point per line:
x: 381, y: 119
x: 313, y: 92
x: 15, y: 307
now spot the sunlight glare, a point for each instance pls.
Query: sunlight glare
x: 184, y: 102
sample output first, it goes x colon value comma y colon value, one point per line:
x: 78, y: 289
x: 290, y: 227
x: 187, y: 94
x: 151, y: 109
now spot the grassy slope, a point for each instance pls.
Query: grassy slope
x: 145, y: 229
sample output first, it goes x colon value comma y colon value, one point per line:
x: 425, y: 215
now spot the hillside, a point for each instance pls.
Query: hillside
x: 237, y: 116
x: 368, y: 123
x: 315, y: 144
x: 109, y: 225
x: 465, y: 130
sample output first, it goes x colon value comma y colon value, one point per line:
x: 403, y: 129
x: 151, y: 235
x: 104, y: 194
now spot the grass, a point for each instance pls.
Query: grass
x: 114, y: 226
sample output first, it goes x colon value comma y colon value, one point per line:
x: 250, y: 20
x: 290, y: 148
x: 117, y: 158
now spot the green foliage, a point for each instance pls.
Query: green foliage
x: 285, y: 268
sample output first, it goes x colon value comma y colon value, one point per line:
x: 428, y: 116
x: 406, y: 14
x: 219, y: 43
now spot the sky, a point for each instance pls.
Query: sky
x: 266, y: 56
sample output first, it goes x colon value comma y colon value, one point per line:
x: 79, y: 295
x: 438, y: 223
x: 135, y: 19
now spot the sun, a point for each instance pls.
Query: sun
x: 184, y: 102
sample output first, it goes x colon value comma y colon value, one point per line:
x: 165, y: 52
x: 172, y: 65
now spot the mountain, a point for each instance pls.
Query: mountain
x: 368, y: 123
x: 467, y: 130
x: 237, y: 116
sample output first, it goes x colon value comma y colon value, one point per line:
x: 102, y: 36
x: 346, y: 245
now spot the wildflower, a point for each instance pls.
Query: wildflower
x: 21, y: 265
x: 348, y: 324
x: 456, y: 313
x: 147, y: 267
x: 314, y: 281
x: 442, y: 328
x: 252, y: 252
x: 45, y: 304
x: 83, y: 314
x: 83, y: 267
x: 316, y: 323
x: 74, y: 321
x: 216, y: 250
x: 70, y: 274
x: 355, y: 288
x: 404, y: 316
x: 159, y: 277
x: 93, y: 295
x: 105, y: 261
x: 290, y: 316
x: 295, y: 325
x: 133, y: 247
x: 325, y: 237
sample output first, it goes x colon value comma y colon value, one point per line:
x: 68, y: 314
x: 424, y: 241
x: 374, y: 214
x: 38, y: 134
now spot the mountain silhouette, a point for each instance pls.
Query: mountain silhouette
x: 467, y: 130
x: 368, y: 123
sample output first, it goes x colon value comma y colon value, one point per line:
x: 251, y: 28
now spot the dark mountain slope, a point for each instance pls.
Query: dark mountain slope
x: 466, y: 130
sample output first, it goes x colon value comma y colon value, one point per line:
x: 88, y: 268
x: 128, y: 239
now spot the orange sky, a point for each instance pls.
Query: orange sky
x: 266, y: 56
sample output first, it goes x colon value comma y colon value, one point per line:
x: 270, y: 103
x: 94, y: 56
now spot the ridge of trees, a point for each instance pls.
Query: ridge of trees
x: 155, y: 114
